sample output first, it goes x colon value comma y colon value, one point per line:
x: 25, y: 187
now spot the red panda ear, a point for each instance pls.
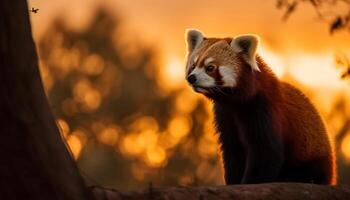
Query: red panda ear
x: 193, y: 38
x: 248, y: 45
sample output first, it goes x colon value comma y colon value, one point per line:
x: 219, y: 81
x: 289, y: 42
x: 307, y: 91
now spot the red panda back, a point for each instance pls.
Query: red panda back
x: 304, y: 131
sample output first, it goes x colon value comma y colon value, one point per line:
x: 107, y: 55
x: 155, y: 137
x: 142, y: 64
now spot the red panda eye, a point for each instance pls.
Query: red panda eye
x: 209, y: 68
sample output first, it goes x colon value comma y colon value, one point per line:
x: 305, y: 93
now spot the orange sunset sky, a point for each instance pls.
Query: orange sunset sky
x: 302, y: 45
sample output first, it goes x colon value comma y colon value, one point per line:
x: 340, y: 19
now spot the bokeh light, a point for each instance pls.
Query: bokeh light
x: 345, y: 147
x: 118, y: 89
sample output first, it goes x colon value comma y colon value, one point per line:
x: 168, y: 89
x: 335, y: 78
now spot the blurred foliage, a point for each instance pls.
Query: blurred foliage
x: 338, y: 121
x: 342, y: 61
x: 123, y: 127
x: 334, y: 12
x: 123, y: 122
x: 326, y: 10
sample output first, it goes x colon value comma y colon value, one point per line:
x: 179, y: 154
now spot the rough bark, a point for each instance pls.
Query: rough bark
x: 34, y: 162
x: 283, y: 191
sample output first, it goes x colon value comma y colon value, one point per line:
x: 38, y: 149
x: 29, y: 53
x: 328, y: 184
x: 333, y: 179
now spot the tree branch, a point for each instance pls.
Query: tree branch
x: 285, y: 191
x: 337, y: 20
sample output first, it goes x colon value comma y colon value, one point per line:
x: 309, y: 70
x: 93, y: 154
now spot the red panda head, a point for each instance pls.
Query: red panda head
x: 216, y: 64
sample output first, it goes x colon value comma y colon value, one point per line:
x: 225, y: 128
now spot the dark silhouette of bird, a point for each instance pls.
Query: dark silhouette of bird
x: 34, y: 10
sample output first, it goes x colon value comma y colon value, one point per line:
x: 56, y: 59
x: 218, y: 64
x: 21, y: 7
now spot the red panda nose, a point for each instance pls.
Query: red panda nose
x: 192, y: 79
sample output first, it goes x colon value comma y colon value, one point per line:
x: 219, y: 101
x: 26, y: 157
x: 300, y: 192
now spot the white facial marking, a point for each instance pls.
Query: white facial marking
x: 203, y: 79
x: 208, y: 60
x: 228, y: 76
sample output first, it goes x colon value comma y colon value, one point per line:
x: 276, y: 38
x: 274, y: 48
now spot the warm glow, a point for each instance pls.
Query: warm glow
x: 109, y: 135
x: 315, y: 70
x: 93, y: 65
x: 207, y: 148
x: 143, y: 142
x: 155, y: 156
x: 81, y: 134
x: 46, y: 76
x: 179, y: 127
x: 273, y: 60
x: 186, y: 101
x: 75, y: 145
x: 168, y: 141
x: 92, y: 100
x: 63, y: 60
x: 172, y: 74
x: 63, y: 127
x: 345, y: 147
x: 147, y: 139
x: 85, y: 94
x: 144, y: 123
x: 336, y: 123
x: 129, y: 145
x: 80, y: 89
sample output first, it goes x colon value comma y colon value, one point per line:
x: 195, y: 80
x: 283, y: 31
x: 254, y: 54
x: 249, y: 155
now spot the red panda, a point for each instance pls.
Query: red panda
x: 269, y: 131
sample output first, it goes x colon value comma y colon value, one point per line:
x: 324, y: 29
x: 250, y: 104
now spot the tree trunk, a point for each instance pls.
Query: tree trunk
x: 283, y: 191
x: 34, y: 162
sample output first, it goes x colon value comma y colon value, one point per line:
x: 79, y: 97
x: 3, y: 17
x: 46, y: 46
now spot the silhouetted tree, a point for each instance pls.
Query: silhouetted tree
x: 34, y: 161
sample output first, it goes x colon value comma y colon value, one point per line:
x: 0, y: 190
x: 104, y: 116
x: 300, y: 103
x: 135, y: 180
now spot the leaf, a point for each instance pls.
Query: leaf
x: 336, y: 24
x: 290, y: 9
x: 346, y: 74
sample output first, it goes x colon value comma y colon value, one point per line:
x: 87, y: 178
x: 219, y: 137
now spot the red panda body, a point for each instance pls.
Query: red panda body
x: 277, y: 123
x: 268, y: 130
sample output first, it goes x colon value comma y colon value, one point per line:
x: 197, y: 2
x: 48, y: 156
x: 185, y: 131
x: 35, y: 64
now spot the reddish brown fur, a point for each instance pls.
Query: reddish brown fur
x: 212, y: 46
x: 296, y: 119
x: 306, y: 145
